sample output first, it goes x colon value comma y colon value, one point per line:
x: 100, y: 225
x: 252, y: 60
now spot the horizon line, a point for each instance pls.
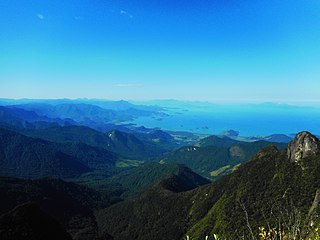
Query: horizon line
x: 216, y: 101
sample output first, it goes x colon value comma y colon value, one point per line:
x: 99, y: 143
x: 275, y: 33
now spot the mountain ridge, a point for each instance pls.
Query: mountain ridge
x: 262, y: 188
x: 29, y: 157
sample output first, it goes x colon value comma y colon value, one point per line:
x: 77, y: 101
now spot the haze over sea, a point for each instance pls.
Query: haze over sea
x: 241, y: 51
x: 249, y: 119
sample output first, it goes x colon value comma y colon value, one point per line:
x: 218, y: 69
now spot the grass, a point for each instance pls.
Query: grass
x: 217, y: 172
x: 128, y: 163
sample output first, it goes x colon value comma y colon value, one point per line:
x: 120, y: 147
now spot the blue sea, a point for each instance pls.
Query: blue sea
x: 249, y: 120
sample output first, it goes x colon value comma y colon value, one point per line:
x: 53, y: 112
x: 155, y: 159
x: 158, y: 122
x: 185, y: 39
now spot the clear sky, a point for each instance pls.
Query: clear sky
x: 214, y: 50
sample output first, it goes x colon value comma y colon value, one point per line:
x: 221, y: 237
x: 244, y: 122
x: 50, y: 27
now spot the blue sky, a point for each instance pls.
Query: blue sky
x: 218, y: 50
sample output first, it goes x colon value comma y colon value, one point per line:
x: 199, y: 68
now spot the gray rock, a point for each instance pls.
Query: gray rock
x: 303, y: 145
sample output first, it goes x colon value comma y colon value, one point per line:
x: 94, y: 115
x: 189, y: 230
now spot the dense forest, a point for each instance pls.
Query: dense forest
x: 65, y: 178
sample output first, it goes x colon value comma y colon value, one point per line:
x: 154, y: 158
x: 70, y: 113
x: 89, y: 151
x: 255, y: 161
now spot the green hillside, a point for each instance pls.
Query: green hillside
x: 157, y: 213
x: 22, y: 156
x: 273, y: 189
x: 131, y: 182
x: 72, y: 205
x: 214, y: 157
x: 123, y: 144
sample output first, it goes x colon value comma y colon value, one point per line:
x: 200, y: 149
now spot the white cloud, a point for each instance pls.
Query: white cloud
x: 122, y: 12
x: 128, y: 85
x: 40, y: 16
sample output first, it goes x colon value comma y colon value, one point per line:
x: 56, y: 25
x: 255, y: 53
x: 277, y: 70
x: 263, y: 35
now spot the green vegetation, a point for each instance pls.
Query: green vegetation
x: 71, y: 204
x: 214, y: 161
x: 265, y: 189
x: 269, y: 190
x: 27, y: 157
x: 129, y: 182
x: 124, y: 163
x: 156, y: 213
x: 86, y: 113
x: 219, y: 171
x: 258, y: 193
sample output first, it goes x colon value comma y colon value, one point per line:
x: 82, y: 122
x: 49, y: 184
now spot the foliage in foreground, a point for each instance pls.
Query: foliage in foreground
x: 271, y: 234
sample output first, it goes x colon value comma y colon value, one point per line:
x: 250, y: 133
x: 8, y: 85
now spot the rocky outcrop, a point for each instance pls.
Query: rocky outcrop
x: 303, y: 145
x: 268, y: 152
x: 236, y: 151
x: 312, y: 215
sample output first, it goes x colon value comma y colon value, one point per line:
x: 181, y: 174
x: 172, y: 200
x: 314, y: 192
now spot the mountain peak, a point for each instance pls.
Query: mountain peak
x: 267, y: 152
x: 303, y: 145
x: 184, y: 180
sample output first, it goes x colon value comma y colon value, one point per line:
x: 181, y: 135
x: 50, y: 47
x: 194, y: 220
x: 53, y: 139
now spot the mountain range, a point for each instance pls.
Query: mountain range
x: 271, y: 190
x: 67, y: 171
x: 214, y: 157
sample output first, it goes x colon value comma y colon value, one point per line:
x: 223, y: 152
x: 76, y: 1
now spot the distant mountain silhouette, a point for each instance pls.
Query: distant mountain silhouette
x: 87, y: 113
x: 20, y: 118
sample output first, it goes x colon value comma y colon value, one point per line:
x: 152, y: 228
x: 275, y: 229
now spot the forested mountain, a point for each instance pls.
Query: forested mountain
x: 134, y: 182
x: 124, y: 144
x: 159, y: 119
x: 22, y: 156
x: 275, y: 188
x: 20, y: 118
x: 158, y: 213
x: 142, y: 144
x: 87, y: 112
x: 214, y: 157
x: 27, y: 221
x: 71, y: 204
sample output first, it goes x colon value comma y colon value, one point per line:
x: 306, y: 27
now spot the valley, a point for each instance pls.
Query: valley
x: 159, y: 120
x: 129, y: 182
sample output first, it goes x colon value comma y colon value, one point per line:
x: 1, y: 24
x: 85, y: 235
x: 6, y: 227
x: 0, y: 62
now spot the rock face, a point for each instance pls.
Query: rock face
x: 303, y: 145
x: 236, y: 151
x: 268, y: 152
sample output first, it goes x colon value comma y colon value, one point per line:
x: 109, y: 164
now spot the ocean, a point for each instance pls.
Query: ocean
x: 249, y: 120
